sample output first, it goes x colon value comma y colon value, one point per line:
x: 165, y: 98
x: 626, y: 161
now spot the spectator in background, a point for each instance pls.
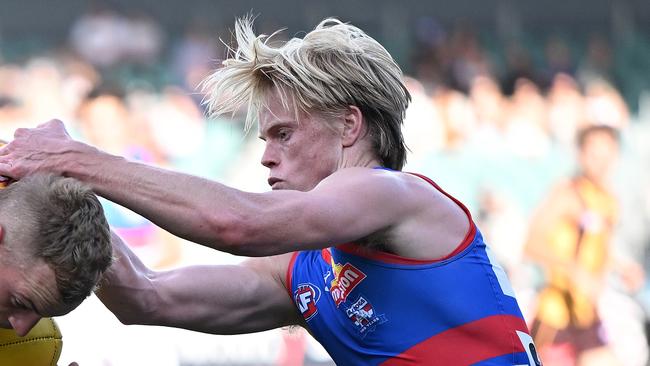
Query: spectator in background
x: 194, y: 56
x: 422, y: 125
x: 597, y: 63
x: 457, y: 116
x: 519, y: 65
x: 144, y: 40
x: 106, y: 38
x: 526, y: 133
x: 468, y: 59
x: 604, y: 105
x: 98, y: 36
x: 566, y: 110
x: 106, y: 121
x: 558, y: 60
x: 570, y: 238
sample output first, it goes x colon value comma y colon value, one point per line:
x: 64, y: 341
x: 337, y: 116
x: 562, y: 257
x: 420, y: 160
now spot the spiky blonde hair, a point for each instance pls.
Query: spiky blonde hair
x: 333, y: 67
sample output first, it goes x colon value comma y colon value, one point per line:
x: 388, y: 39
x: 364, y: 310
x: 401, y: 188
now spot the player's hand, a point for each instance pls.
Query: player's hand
x: 35, y: 150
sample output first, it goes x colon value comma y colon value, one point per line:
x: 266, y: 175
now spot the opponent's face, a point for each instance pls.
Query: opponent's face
x: 28, y: 292
x: 598, y: 155
x: 299, y: 152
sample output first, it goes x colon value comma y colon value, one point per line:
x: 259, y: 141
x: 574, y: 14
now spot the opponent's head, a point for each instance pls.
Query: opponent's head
x: 333, y: 76
x: 54, y: 247
x: 598, y: 147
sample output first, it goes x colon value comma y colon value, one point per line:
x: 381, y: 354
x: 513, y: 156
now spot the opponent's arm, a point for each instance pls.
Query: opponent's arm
x: 213, y: 299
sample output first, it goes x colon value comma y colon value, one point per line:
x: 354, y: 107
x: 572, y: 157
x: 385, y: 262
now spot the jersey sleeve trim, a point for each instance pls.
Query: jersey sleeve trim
x: 355, y: 249
x: 289, y: 275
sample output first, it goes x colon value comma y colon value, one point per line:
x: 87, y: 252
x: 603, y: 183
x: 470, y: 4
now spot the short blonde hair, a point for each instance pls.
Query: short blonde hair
x: 64, y: 225
x: 333, y: 67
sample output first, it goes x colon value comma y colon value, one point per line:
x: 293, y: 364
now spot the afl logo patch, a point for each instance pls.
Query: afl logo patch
x: 306, y: 296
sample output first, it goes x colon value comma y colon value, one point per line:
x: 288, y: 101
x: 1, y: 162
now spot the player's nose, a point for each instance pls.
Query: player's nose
x: 23, y: 322
x: 269, y: 158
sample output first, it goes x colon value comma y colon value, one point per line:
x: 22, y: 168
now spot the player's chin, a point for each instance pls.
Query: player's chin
x: 279, y: 186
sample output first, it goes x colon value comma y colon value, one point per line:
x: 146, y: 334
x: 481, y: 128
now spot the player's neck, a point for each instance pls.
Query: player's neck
x: 365, y: 160
x: 358, y: 155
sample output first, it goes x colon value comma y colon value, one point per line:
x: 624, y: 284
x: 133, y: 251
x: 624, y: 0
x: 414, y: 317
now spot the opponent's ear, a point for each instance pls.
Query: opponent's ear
x: 352, y: 126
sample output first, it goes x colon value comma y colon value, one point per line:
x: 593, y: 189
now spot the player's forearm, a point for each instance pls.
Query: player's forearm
x: 126, y: 288
x: 212, y: 299
x: 193, y: 208
x: 224, y: 299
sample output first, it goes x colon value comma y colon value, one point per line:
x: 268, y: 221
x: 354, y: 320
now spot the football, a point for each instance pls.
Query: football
x: 40, y: 347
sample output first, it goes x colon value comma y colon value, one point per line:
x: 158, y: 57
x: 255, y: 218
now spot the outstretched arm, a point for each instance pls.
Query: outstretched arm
x: 212, y: 299
x: 221, y: 217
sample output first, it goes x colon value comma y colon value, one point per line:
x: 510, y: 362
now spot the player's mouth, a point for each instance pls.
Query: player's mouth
x: 274, y: 182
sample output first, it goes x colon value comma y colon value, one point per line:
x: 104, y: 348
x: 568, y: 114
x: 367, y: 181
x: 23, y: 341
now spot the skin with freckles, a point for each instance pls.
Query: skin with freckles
x: 299, y: 152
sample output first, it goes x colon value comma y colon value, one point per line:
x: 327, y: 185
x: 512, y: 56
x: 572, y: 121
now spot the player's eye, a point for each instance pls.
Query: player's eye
x: 18, y: 304
x: 284, y: 135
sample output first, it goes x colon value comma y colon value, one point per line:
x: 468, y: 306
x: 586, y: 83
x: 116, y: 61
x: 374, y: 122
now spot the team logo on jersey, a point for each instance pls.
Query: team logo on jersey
x: 346, y: 278
x: 363, y: 315
x: 306, y: 296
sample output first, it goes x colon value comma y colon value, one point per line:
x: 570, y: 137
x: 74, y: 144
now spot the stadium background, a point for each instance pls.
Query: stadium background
x: 499, y: 89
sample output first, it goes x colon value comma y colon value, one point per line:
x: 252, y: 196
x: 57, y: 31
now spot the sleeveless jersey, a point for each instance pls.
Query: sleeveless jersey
x: 374, y: 308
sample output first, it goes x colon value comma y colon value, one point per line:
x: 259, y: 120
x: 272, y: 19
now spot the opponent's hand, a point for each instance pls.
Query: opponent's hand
x: 35, y: 150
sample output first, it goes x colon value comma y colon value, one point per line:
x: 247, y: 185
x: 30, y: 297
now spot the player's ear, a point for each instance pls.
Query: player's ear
x: 352, y: 125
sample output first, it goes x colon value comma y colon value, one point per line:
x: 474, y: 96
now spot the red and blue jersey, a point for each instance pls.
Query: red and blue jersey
x: 374, y: 308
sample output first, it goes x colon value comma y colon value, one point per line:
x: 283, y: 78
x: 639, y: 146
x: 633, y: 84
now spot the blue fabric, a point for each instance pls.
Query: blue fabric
x: 370, y: 308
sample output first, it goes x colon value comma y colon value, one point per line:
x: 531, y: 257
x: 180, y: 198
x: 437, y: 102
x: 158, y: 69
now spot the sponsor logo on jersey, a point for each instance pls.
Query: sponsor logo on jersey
x: 306, y: 296
x: 364, y: 317
x: 346, y: 278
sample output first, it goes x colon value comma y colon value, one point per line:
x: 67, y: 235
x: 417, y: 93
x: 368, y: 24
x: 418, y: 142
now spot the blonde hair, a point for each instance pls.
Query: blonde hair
x: 333, y: 67
x: 60, y: 221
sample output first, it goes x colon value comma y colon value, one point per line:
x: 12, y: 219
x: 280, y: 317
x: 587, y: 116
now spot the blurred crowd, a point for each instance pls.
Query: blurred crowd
x: 496, y: 126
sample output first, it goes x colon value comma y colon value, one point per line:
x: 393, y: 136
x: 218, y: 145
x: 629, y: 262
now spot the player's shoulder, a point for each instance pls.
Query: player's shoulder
x: 377, y: 177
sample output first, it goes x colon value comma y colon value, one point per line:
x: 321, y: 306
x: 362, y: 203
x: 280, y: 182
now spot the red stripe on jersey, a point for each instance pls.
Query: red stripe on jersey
x: 355, y: 249
x: 290, y: 273
x: 327, y: 256
x: 466, y: 344
x: 469, y: 237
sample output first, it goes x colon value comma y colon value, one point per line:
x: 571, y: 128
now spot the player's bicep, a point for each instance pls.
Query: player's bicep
x: 350, y: 207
